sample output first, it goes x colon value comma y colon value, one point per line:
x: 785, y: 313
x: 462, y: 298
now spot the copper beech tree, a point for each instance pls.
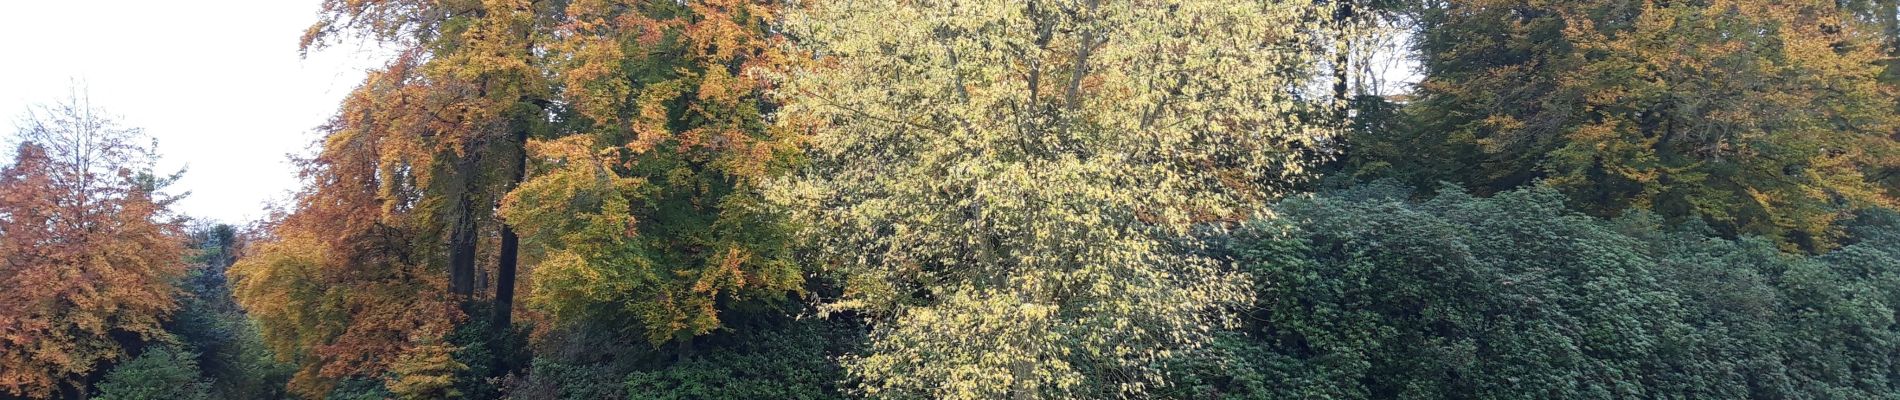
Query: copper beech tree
x: 88, y: 249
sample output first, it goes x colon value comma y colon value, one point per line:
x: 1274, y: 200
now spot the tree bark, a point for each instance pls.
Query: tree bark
x: 1342, y: 53
x: 510, y: 245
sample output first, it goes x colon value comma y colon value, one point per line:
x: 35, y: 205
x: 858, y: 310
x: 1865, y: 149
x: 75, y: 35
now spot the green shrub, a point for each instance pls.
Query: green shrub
x: 1365, y: 294
x: 162, y: 372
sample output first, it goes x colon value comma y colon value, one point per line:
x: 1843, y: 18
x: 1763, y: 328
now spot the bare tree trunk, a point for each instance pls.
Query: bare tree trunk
x: 510, y: 246
x: 1342, y: 51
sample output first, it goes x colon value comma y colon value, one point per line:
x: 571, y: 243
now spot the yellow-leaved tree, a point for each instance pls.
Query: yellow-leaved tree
x: 1000, y: 183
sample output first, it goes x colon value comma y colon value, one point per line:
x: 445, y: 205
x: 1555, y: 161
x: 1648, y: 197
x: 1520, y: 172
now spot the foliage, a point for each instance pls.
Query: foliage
x: 350, y: 283
x: 765, y: 354
x: 651, y: 208
x: 427, y: 371
x: 999, y: 181
x: 767, y: 360
x: 338, y: 288
x: 88, y: 246
x: 1368, y: 295
x: 744, y: 199
x: 162, y: 372
x: 359, y: 389
x: 1684, y: 108
x: 209, y: 322
x: 550, y: 378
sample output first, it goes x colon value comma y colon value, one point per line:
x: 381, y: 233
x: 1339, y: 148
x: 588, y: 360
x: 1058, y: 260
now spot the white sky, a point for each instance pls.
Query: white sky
x: 217, y: 82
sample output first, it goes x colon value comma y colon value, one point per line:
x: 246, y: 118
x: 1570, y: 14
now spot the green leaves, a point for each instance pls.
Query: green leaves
x: 162, y: 372
x: 1365, y: 295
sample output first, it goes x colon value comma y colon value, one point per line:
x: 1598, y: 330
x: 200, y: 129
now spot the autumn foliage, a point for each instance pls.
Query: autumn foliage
x: 339, y: 287
x: 650, y: 208
x: 87, y: 250
x: 1023, y: 199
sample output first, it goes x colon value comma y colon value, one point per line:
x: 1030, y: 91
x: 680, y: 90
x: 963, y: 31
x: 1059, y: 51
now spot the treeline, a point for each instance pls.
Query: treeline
x: 1016, y: 199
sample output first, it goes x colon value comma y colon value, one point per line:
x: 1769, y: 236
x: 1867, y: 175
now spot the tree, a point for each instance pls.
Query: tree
x: 466, y: 93
x: 1001, y: 184
x: 428, y: 143
x: 341, y: 287
x: 436, y: 138
x: 209, y: 321
x: 1682, y: 108
x: 89, y: 246
x: 651, y: 209
x: 160, y: 373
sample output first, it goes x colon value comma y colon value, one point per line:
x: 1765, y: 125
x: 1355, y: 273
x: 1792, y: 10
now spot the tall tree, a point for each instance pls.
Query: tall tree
x: 88, y: 249
x: 1761, y: 116
x: 1001, y: 183
x: 340, y: 286
x: 476, y: 92
x: 431, y: 141
x: 651, y: 210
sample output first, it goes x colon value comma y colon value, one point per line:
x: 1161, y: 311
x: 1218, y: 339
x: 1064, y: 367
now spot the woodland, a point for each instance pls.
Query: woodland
x: 1008, y: 199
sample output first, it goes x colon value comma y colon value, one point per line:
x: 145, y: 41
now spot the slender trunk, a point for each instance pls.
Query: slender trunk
x: 1342, y: 51
x: 510, y: 246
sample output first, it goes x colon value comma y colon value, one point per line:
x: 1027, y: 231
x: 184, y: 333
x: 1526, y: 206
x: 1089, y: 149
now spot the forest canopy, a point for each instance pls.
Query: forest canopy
x: 975, y: 199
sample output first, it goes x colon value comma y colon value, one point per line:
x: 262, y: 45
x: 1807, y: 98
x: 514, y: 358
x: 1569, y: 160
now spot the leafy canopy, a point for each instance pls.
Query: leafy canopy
x: 999, y: 182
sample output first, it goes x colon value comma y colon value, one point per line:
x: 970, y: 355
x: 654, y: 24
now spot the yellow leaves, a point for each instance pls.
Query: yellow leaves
x: 427, y: 371
x: 564, y: 279
x: 718, y: 34
x: 594, y: 79
x: 1690, y: 104
x: 724, y: 274
x: 650, y: 126
x: 1031, y: 186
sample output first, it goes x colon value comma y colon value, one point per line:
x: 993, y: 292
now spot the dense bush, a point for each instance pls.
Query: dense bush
x: 1365, y: 294
x: 776, y: 360
x: 757, y: 355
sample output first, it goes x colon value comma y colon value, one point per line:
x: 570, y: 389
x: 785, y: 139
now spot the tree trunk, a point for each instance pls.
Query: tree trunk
x: 510, y: 246
x: 462, y: 235
x: 1343, y: 14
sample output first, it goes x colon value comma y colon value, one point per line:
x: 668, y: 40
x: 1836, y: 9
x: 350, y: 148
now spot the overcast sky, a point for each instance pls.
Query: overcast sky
x: 218, y: 82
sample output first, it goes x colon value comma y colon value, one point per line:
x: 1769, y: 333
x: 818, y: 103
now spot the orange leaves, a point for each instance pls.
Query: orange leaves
x: 348, y: 305
x: 650, y: 124
x: 726, y: 29
x: 86, y: 259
